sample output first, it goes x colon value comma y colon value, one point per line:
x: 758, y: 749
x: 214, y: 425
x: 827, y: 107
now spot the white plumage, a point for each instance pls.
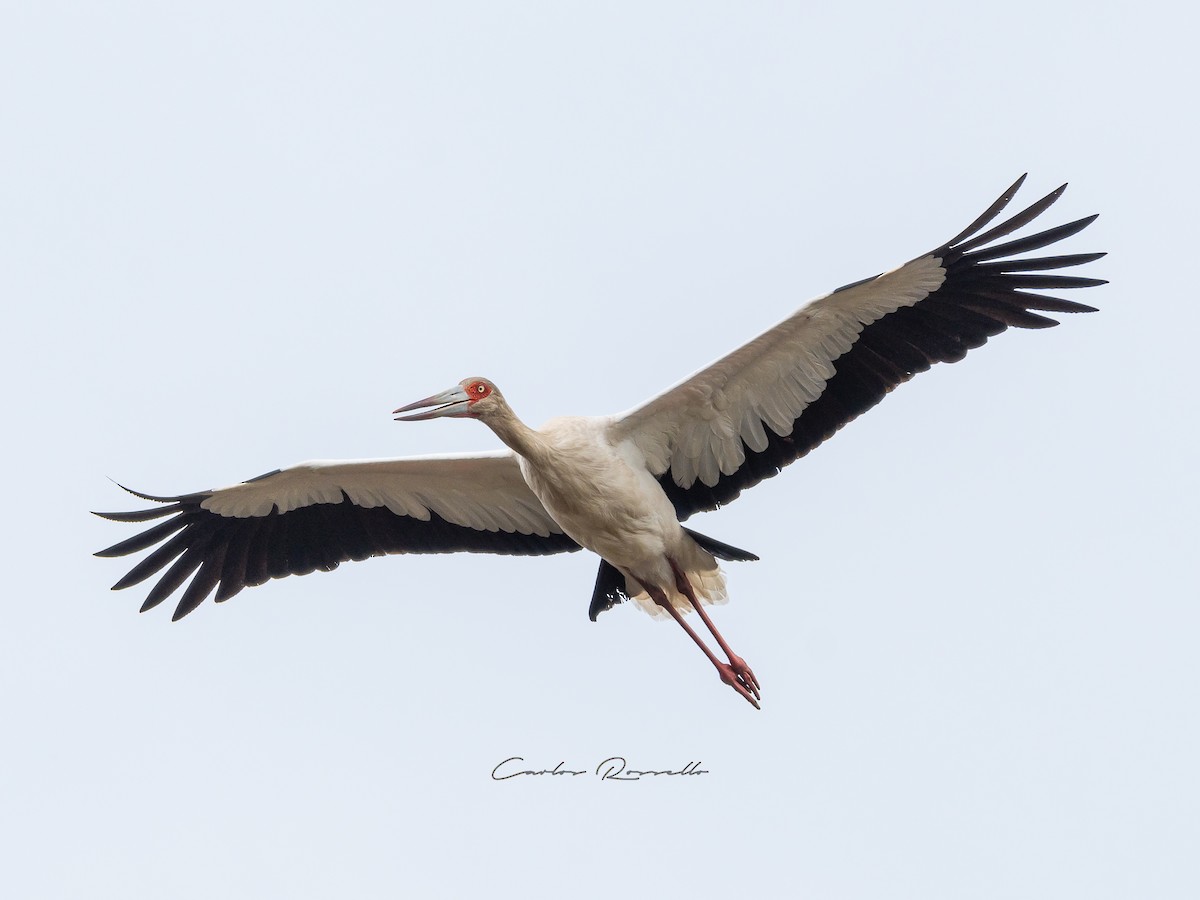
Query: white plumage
x: 697, y: 427
x: 483, y: 491
x: 620, y: 486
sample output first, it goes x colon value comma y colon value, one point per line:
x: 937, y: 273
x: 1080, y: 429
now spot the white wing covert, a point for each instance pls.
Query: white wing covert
x: 315, y: 515
x: 744, y: 417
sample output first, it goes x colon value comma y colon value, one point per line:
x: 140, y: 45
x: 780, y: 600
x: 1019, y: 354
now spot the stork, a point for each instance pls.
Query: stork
x: 621, y: 485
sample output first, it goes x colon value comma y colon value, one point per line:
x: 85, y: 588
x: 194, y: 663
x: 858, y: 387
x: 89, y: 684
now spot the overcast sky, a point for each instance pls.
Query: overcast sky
x: 234, y: 236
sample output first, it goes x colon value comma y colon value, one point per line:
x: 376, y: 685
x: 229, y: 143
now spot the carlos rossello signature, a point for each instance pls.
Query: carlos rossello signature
x: 615, y: 768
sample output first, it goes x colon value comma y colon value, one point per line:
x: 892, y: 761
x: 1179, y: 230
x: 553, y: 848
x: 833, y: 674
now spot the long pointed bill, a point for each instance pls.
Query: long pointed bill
x: 453, y: 402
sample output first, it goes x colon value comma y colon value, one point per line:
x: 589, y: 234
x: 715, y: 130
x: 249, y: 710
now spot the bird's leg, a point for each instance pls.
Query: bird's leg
x: 726, y: 671
x: 737, y: 666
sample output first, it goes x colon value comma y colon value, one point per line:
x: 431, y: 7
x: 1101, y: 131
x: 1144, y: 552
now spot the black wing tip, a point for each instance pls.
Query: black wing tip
x: 1083, y: 223
x: 193, y: 541
x: 1056, y: 193
x: 720, y: 549
x: 985, y: 291
x: 155, y: 498
x: 129, y: 579
x: 612, y: 600
x: 1081, y: 259
x: 609, y: 590
x: 1012, y: 189
x: 970, y: 238
x: 141, y: 515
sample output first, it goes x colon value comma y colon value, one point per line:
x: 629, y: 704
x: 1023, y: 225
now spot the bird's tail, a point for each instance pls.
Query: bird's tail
x: 705, y: 576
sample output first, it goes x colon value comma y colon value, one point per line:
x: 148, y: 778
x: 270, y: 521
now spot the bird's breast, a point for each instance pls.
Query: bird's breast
x: 600, y: 498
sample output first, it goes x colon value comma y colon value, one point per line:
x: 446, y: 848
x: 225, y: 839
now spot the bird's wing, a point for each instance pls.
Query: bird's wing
x: 744, y: 417
x: 317, y: 514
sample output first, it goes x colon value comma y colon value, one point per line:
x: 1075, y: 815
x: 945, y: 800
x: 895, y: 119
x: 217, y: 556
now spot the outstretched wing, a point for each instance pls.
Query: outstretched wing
x: 315, y: 515
x: 744, y: 417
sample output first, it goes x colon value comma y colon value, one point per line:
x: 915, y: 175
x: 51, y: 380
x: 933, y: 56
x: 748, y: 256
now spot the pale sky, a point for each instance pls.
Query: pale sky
x: 236, y: 236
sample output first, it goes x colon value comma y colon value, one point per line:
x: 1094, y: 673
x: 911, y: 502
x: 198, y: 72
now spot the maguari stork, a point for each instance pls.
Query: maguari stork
x: 621, y: 485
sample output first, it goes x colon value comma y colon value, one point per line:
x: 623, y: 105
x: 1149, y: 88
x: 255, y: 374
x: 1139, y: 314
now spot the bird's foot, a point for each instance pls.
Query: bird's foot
x: 745, y: 675
x: 738, y: 676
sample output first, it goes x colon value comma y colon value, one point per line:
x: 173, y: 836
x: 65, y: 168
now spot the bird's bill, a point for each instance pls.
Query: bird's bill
x: 454, y: 403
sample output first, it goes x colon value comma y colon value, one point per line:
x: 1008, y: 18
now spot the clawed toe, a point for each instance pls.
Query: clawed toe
x: 738, y: 680
x: 745, y: 676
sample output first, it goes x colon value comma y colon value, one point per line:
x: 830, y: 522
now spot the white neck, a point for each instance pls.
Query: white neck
x: 518, y: 436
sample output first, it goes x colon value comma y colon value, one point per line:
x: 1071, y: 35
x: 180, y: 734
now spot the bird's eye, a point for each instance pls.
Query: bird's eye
x: 479, y: 388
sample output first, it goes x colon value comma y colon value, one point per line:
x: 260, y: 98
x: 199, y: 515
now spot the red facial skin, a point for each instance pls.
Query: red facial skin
x: 477, y: 390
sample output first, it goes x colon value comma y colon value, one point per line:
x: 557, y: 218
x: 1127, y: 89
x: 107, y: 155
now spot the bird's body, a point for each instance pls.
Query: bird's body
x: 622, y: 485
x: 602, y: 495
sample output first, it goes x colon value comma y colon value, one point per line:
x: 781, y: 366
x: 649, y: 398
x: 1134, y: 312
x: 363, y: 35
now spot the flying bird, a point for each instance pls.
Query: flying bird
x: 621, y: 485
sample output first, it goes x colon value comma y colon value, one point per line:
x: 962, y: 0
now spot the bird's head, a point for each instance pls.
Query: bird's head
x: 471, y: 398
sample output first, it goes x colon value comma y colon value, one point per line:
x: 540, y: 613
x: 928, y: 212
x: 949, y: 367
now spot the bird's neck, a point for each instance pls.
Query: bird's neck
x: 518, y: 436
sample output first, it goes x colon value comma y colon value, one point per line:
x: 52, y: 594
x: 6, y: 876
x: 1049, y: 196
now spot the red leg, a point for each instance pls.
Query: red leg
x: 725, y: 670
x: 736, y: 663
